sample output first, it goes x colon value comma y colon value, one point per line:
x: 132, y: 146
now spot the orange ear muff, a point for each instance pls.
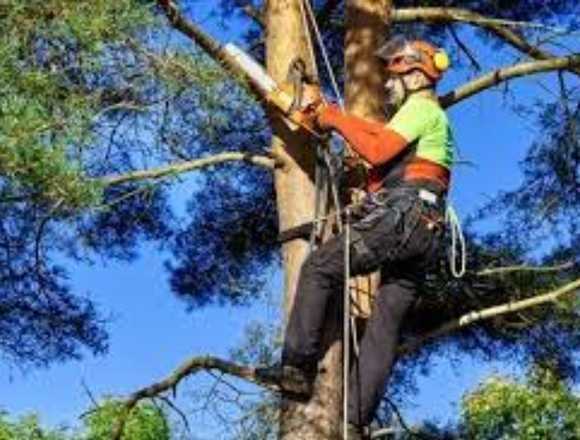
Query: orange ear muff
x: 441, y: 60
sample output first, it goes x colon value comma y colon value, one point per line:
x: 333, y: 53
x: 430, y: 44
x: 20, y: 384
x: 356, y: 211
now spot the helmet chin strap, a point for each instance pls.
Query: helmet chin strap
x: 408, y: 92
x: 391, y: 108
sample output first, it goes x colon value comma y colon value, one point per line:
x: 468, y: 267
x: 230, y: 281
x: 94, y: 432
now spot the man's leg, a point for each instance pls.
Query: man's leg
x: 321, y: 279
x: 378, y: 348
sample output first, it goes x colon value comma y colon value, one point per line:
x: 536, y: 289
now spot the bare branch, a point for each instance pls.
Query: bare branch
x: 504, y: 74
x: 523, y: 268
x: 491, y: 312
x: 188, y: 368
x: 463, y: 47
x: 327, y: 11
x: 183, y: 167
x: 179, y: 412
x: 255, y: 14
x: 89, y: 393
x: 439, y: 14
x: 496, y: 26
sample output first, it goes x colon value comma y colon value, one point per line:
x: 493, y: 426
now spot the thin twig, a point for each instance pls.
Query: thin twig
x: 89, y: 393
x: 523, y: 268
x: 463, y: 47
x: 255, y: 14
x: 181, y: 414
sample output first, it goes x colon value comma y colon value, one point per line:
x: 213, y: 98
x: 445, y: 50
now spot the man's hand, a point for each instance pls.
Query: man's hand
x: 327, y: 115
x: 312, y: 101
x: 311, y: 97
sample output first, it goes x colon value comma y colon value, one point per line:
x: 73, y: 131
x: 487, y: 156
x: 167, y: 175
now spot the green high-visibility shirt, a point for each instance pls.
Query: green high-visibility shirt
x: 423, y: 120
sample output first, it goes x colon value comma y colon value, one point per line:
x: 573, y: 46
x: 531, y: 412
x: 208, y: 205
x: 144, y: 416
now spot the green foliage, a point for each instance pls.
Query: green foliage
x: 146, y: 422
x: 47, y: 105
x: 91, y: 89
x: 28, y: 428
x: 543, y: 408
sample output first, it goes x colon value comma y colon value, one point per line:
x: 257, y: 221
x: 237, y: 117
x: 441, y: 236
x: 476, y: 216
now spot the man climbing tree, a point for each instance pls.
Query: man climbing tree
x: 97, y: 116
x: 397, y: 228
x: 286, y: 39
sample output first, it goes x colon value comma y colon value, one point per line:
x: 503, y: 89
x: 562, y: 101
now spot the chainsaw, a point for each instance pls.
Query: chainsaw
x: 297, y: 99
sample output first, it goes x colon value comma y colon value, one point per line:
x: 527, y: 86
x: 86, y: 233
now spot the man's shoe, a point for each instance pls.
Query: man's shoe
x: 290, y: 378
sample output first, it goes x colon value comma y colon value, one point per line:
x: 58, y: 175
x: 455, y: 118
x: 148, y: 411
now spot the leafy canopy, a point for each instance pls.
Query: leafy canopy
x: 544, y: 407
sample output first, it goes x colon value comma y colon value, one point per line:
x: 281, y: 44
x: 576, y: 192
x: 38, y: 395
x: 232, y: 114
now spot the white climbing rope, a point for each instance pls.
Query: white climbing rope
x: 324, y: 52
x: 308, y: 37
x: 346, y: 324
x: 457, y: 239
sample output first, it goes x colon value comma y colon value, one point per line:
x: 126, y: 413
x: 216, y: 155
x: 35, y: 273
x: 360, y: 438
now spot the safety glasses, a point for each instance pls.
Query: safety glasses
x: 403, y: 59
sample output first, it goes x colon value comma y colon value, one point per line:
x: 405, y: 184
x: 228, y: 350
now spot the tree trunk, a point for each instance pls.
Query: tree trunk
x: 366, y: 28
x: 286, y: 40
x: 320, y: 418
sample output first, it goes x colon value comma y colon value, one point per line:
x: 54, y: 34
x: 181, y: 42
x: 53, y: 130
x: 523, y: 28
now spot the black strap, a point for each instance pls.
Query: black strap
x: 302, y: 232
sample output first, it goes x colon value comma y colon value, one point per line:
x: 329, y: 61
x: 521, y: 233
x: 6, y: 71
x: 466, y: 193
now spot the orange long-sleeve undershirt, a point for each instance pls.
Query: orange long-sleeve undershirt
x: 374, y: 141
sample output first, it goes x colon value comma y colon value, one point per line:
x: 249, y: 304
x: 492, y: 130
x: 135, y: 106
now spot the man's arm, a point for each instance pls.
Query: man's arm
x: 376, y: 142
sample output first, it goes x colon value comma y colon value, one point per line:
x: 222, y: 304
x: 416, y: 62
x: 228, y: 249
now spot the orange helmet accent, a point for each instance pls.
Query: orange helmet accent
x: 403, y: 56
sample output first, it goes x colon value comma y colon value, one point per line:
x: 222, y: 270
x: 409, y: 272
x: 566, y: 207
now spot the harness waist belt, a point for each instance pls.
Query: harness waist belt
x: 423, y: 169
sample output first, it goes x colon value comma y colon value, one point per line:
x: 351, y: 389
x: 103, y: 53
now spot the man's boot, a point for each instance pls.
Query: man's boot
x: 356, y: 433
x: 292, y: 379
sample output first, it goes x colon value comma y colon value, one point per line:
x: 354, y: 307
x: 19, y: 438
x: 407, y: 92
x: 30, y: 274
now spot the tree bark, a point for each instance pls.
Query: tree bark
x: 320, y: 418
x: 286, y: 40
x: 367, y: 24
x: 366, y: 29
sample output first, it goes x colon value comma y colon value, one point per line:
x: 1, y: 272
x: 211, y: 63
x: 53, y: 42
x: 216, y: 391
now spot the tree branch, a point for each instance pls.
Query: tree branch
x: 504, y: 74
x: 183, y: 167
x: 188, y: 368
x: 463, y: 47
x: 255, y: 14
x: 491, y: 312
x: 209, y: 45
x: 439, y: 14
x: 250, y: 374
x: 523, y: 268
x: 495, y: 26
x: 327, y: 11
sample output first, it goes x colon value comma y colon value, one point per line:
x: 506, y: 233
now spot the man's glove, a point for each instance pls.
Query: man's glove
x: 311, y: 102
x: 327, y: 116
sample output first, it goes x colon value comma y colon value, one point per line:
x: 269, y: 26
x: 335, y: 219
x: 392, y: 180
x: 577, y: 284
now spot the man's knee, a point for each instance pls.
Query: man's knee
x: 394, y: 299
x: 326, y: 261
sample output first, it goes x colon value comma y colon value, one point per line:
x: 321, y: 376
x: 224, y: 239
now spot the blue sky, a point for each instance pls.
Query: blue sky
x: 151, y: 332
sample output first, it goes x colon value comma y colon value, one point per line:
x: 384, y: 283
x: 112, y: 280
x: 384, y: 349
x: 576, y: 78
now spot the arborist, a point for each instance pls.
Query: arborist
x: 397, y: 229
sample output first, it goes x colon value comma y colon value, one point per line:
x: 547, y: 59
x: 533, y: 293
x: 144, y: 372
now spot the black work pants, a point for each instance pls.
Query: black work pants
x: 390, y: 234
